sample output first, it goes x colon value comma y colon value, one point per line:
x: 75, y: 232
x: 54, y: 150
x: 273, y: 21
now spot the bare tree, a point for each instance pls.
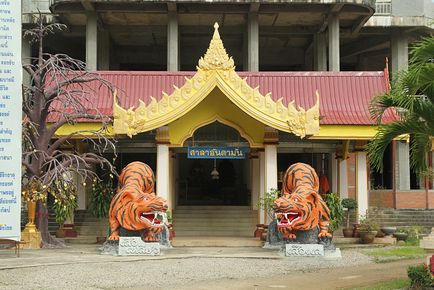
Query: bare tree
x: 61, y: 92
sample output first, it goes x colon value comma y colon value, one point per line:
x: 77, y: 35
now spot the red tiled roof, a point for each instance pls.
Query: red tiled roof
x: 344, y: 96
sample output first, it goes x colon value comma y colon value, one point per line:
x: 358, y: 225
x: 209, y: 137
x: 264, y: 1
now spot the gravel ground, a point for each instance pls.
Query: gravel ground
x: 164, y: 274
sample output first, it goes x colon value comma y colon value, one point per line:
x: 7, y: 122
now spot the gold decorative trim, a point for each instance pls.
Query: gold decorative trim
x: 216, y: 69
x: 228, y: 123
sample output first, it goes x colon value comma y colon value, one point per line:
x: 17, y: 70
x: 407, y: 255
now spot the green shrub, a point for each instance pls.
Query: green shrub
x: 368, y: 224
x: 65, y: 200
x: 420, y: 277
x: 100, y: 198
x: 336, y: 210
x: 266, y: 203
x: 349, y: 203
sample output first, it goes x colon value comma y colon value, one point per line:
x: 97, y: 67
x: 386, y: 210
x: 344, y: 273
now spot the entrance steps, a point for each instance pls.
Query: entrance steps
x: 212, y: 221
x: 405, y: 217
x: 212, y: 241
x: 88, y: 228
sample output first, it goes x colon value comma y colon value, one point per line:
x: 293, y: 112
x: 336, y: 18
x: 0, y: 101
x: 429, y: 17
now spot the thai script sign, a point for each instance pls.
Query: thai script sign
x: 10, y: 119
x: 304, y: 250
x: 134, y: 246
x: 216, y: 153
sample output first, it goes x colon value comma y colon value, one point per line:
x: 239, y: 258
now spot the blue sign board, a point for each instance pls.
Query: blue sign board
x: 216, y: 153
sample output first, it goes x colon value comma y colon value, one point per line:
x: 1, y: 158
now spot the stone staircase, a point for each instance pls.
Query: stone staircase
x: 52, y: 224
x: 405, y: 217
x: 88, y: 228
x: 209, y: 221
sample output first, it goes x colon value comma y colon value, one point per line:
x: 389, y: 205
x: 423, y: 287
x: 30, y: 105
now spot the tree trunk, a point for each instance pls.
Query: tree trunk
x: 48, y: 241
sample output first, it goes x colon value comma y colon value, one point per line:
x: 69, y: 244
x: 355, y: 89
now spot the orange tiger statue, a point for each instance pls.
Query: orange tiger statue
x: 301, y: 207
x: 136, y: 207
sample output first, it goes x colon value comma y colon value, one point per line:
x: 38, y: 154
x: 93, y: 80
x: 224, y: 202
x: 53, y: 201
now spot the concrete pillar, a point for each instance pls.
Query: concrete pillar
x: 361, y: 183
x: 334, y: 166
x: 402, y: 166
x: 172, y: 41
x: 91, y: 41
x: 172, y: 178
x: 333, y: 34
x: 343, y: 178
x: 26, y: 54
x: 103, y: 50
x: 255, y: 172
x: 399, y: 51
x: 261, y: 214
x: 253, y: 42
x: 163, y: 172
x: 270, y: 169
x: 319, y: 52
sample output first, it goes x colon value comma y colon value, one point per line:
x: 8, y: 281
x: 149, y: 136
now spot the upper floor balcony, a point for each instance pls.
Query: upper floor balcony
x: 403, y: 13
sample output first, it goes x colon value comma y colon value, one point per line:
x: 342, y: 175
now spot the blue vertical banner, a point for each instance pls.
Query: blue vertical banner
x: 10, y: 119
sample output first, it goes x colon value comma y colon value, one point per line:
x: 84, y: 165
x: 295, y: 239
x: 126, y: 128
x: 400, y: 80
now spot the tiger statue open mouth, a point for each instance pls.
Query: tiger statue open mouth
x: 301, y: 207
x: 136, y: 207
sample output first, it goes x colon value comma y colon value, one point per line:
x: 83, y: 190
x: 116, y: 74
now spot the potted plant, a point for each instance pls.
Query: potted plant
x: 65, y: 203
x: 349, y: 204
x: 368, y: 229
x: 336, y: 211
x: 100, y: 198
x: 266, y: 203
x: 401, y: 234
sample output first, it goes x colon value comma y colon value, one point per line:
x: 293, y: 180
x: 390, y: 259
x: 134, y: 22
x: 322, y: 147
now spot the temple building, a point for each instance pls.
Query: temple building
x: 220, y: 97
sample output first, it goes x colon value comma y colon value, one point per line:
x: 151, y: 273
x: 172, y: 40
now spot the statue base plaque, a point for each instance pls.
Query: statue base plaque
x: 304, y: 250
x: 134, y: 246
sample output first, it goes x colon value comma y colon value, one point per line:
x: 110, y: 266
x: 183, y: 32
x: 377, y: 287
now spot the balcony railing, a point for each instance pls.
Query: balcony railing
x: 383, y: 7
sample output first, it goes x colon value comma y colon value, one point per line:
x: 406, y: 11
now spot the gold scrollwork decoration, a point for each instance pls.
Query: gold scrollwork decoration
x: 216, y: 69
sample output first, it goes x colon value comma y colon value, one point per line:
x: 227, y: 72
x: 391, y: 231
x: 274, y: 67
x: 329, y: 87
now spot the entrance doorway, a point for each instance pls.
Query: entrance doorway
x: 214, y: 181
x: 197, y: 186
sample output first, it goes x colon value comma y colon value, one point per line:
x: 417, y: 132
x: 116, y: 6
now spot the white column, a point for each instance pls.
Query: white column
x: 255, y: 172
x: 361, y: 183
x: 335, y: 173
x: 270, y: 170
x: 270, y: 167
x: 343, y: 178
x: 261, y: 184
x: 91, y: 41
x: 319, y: 52
x: 253, y: 42
x: 163, y: 172
x: 402, y: 165
x: 172, y: 41
x: 333, y: 33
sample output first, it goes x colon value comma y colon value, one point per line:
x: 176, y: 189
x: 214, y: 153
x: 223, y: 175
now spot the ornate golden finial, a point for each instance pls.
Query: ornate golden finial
x: 216, y: 57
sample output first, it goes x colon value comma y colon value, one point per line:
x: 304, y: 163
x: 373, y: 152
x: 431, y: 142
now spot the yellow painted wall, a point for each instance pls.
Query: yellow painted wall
x: 216, y: 107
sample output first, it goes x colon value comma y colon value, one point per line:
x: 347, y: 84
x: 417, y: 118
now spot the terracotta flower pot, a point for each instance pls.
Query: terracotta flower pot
x: 356, y: 230
x: 367, y: 237
x: 348, y: 233
x: 60, y: 233
x: 259, y: 230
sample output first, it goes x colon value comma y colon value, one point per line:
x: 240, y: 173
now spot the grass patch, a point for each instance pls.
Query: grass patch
x: 396, y: 253
x: 389, y: 285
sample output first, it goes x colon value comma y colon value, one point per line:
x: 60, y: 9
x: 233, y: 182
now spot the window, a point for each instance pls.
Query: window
x: 384, y: 180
